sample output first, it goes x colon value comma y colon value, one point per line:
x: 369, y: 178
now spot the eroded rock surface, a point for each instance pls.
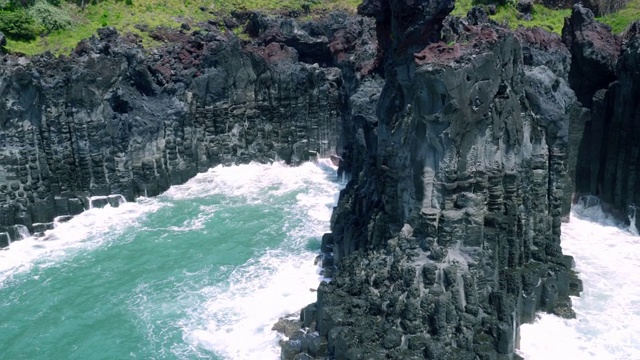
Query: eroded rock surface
x: 608, y: 151
x: 594, y: 50
x: 448, y: 234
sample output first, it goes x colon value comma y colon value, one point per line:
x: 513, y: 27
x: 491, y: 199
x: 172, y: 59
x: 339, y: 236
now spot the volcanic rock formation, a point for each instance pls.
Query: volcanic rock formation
x: 606, y: 71
x: 111, y: 119
x: 448, y: 234
x: 463, y: 142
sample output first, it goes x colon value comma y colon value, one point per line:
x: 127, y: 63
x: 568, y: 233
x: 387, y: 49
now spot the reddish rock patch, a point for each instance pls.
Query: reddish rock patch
x: 275, y: 52
x: 476, y: 37
x: 437, y: 53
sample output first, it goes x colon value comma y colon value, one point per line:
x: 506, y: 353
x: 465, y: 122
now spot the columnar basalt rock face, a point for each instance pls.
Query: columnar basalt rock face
x: 608, y: 151
x: 449, y: 237
x: 111, y: 119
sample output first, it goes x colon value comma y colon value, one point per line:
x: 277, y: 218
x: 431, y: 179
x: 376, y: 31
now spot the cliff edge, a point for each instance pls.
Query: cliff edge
x: 113, y: 118
x: 448, y: 234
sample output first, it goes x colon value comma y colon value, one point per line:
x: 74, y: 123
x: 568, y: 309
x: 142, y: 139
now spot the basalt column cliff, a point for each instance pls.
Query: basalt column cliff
x: 448, y: 234
x: 112, y: 119
x: 606, y: 76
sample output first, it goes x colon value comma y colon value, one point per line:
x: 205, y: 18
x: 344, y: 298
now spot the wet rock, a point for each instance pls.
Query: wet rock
x: 287, y: 326
x: 318, y: 346
x: 290, y: 349
x: 540, y: 47
x: 607, y: 157
x: 303, y: 356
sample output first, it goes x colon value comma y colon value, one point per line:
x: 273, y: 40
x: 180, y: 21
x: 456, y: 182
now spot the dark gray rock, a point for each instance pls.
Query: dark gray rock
x: 594, y: 53
x: 290, y: 349
x: 607, y: 142
x: 287, y: 326
x: 477, y: 16
x: 4, y: 239
x: 524, y: 7
x: 111, y: 120
x: 458, y: 188
x: 303, y: 356
x: 604, y: 7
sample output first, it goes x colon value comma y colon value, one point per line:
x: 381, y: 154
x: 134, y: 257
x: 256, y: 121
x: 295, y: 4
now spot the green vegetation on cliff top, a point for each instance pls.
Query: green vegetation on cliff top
x: 125, y: 14
x: 62, y: 25
x: 552, y: 20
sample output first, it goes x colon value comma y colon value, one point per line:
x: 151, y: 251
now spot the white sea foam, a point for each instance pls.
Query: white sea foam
x: 85, y: 231
x: 608, y: 311
x: 252, y: 182
x: 232, y: 319
x: 236, y: 321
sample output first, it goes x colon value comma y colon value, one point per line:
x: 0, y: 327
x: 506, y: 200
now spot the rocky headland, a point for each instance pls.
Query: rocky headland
x: 447, y: 237
x: 464, y: 142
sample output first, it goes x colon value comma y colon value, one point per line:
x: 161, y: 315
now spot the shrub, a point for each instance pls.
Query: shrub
x: 104, y: 19
x: 18, y: 24
x: 49, y: 16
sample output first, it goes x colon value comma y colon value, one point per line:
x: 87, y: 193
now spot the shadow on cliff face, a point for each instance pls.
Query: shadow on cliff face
x: 605, y: 76
x: 113, y: 118
x: 447, y: 237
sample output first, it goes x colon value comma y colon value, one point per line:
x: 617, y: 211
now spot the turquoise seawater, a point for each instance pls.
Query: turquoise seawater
x: 202, y: 271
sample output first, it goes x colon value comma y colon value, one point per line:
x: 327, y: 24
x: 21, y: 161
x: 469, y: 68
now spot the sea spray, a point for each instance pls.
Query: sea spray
x: 607, y: 257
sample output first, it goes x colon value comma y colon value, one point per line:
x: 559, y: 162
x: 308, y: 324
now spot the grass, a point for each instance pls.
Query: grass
x: 172, y: 13
x: 620, y: 20
x: 553, y: 20
x: 153, y: 13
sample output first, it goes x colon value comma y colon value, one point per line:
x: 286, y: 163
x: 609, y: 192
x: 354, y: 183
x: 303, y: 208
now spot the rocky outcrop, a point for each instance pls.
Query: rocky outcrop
x: 114, y: 119
x: 604, y: 7
x: 594, y: 53
x: 608, y: 151
x: 448, y: 234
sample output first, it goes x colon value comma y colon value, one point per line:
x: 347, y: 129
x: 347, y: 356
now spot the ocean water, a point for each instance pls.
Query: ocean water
x: 200, y: 272
x: 607, y: 324
x: 205, y: 270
